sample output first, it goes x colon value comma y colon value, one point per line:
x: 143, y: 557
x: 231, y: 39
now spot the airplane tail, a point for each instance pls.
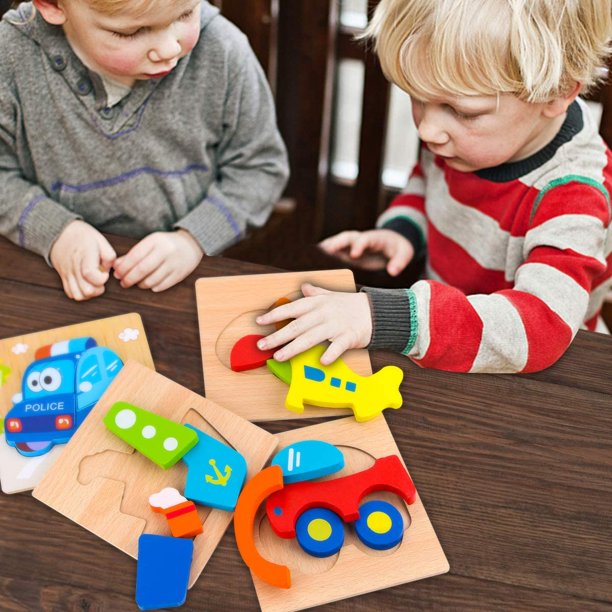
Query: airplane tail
x: 388, y: 381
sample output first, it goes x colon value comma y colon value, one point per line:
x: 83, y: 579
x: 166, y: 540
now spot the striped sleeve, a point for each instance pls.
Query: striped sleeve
x: 528, y: 327
x: 406, y: 213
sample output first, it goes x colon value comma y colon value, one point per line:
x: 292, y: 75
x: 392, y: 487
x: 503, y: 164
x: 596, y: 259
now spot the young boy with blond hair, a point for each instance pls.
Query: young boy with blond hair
x: 510, y: 198
x: 145, y: 118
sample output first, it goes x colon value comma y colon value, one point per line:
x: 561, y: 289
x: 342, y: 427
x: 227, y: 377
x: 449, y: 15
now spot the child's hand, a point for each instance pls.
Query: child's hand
x: 82, y: 257
x: 342, y: 318
x: 388, y: 249
x: 159, y: 261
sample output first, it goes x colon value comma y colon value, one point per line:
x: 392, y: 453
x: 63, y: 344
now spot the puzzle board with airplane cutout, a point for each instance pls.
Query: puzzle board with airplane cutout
x: 104, y: 485
x: 66, y: 369
x: 355, y: 569
x: 227, y: 307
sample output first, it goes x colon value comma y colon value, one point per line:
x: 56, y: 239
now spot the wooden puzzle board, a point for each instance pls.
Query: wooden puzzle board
x: 124, y: 334
x: 103, y: 484
x: 227, y: 307
x: 356, y: 569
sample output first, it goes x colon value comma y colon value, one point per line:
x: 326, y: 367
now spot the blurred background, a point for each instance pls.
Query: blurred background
x: 349, y: 133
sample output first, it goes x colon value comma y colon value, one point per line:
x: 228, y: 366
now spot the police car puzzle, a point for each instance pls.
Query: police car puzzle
x: 59, y: 389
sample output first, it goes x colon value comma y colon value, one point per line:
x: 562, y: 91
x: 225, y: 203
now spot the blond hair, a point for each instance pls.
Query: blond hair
x: 534, y: 49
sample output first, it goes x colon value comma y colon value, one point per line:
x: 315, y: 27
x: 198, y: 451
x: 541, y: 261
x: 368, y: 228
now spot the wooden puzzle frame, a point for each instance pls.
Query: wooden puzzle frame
x: 227, y: 307
x: 19, y: 473
x: 319, y: 581
x: 115, y: 506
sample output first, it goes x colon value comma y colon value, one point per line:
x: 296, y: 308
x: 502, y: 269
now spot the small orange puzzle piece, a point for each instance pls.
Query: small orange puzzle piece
x: 280, y: 302
x: 180, y: 512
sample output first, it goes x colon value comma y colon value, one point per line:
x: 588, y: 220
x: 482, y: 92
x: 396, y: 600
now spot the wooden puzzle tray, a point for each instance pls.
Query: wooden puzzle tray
x: 104, y: 485
x: 356, y: 569
x: 227, y: 307
x: 123, y: 334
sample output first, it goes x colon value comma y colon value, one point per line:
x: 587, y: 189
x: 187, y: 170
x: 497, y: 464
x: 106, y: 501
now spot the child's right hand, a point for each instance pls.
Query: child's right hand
x: 387, y: 249
x: 83, y: 258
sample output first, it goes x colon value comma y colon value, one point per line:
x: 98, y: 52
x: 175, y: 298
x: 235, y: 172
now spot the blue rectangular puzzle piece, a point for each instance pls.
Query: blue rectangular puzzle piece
x: 163, y: 570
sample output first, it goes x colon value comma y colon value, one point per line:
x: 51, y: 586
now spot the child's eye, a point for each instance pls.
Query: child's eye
x: 186, y: 15
x: 130, y: 35
x: 464, y: 116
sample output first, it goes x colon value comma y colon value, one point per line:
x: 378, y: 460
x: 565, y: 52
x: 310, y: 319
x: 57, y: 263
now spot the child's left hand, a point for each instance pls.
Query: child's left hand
x: 345, y: 319
x: 159, y: 261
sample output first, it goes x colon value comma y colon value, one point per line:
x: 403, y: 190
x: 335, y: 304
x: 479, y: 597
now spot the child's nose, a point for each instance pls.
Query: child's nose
x: 165, y: 49
x: 431, y: 130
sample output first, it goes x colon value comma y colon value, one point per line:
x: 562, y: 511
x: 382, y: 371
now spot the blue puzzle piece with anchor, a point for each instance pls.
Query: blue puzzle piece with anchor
x: 215, y: 473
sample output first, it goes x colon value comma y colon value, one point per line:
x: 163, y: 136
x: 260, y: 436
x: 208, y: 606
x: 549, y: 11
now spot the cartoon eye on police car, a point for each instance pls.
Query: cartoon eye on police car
x: 59, y: 389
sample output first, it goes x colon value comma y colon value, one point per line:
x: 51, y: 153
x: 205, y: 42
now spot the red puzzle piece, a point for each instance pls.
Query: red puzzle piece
x: 246, y: 356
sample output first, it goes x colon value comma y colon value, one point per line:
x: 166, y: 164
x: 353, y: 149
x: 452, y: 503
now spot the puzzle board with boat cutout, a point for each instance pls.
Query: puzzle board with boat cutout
x: 227, y: 307
x: 123, y: 334
x: 104, y: 485
x: 316, y: 581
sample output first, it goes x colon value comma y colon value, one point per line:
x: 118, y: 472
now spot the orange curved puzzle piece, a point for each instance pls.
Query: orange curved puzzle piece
x: 280, y: 302
x: 251, y: 497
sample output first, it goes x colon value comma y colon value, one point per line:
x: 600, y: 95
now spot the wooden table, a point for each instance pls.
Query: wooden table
x: 514, y: 471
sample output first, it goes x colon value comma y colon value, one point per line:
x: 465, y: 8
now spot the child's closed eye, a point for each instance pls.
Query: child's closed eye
x: 186, y: 15
x: 129, y: 34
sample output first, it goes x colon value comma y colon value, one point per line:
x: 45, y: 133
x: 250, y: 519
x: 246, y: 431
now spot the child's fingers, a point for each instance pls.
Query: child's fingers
x: 141, y: 270
x: 301, y: 343
x: 289, y: 332
x: 124, y: 264
x: 156, y: 279
x: 309, y: 290
x: 338, y: 242
x: 107, y: 255
x: 399, y: 260
x: 335, y: 350
x: 283, y: 312
x: 91, y: 271
x: 75, y: 290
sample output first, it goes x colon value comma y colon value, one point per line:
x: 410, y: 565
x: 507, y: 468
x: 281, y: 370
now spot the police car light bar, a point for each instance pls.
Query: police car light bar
x: 76, y: 345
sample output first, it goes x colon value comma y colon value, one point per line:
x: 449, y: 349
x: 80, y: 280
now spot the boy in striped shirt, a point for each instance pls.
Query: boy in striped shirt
x: 510, y: 198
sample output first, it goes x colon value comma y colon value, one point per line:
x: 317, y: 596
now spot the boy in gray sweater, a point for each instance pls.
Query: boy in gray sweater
x: 147, y: 119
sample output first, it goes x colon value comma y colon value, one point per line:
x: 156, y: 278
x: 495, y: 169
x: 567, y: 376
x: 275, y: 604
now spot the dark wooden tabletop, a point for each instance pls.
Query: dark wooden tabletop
x: 515, y: 472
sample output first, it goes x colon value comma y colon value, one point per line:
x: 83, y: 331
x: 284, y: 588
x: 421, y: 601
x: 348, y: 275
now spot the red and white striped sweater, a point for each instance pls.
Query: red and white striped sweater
x: 518, y: 256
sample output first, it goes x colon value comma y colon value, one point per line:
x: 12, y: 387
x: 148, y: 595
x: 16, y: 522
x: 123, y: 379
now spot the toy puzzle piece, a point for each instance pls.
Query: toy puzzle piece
x: 308, y: 460
x: 162, y: 573
x: 280, y: 369
x: 215, y: 472
x: 280, y: 302
x: 341, y: 495
x: 161, y: 440
x: 5, y: 371
x: 59, y: 389
x: 246, y: 356
x: 337, y: 386
x: 254, y: 493
x: 180, y: 513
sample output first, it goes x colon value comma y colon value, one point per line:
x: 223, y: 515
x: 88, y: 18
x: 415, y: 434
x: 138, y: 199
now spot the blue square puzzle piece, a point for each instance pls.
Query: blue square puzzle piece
x: 163, y: 570
x: 215, y: 473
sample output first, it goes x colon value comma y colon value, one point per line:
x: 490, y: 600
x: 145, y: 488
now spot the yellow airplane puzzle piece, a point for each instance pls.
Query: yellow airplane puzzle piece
x: 337, y: 386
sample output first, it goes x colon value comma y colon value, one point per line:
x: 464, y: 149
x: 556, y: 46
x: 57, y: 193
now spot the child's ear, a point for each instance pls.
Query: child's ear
x: 559, y: 105
x: 51, y: 11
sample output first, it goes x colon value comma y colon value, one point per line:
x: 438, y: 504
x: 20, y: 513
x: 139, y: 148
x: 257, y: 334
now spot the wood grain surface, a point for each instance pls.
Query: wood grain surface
x: 514, y: 471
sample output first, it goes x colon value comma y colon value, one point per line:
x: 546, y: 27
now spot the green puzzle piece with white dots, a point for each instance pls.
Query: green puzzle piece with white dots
x: 159, y: 439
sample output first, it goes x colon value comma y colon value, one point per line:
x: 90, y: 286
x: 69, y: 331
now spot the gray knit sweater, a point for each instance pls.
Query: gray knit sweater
x: 197, y: 149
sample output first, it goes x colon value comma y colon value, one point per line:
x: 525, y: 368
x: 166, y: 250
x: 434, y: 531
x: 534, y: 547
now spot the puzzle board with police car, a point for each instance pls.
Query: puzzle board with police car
x: 227, y: 307
x: 67, y: 374
x: 355, y: 569
x: 103, y: 484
